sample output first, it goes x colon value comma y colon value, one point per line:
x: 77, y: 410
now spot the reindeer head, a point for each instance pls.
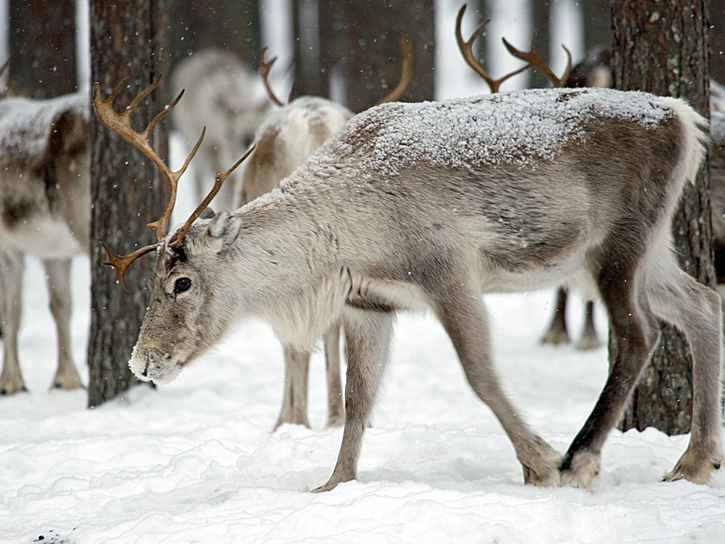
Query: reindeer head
x: 184, y: 315
x: 183, y: 258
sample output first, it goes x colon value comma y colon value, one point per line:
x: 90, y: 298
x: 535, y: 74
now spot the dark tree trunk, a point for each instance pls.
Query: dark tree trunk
x: 717, y: 40
x: 596, y: 15
x: 127, y: 39
x: 226, y: 24
x: 540, y: 39
x: 313, y: 46
x: 372, y: 54
x: 661, y: 47
x: 43, y: 47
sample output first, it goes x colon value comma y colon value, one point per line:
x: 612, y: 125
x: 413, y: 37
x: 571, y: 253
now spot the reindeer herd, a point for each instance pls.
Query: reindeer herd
x: 334, y: 222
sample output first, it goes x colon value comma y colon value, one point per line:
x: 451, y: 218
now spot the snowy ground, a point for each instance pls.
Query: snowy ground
x: 196, y: 461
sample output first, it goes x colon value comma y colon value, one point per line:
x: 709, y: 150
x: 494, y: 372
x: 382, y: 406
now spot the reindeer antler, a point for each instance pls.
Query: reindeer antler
x: 406, y: 72
x: 120, y: 123
x: 264, y: 69
x: 466, y: 49
x: 535, y: 60
x: 218, y: 181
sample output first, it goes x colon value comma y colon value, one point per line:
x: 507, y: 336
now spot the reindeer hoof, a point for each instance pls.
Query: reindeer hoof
x: 7, y: 390
x: 580, y: 470
x: 555, y: 337
x: 541, y: 466
x: 331, y: 484
x: 292, y: 420
x: 695, y: 467
x: 588, y: 343
x: 67, y: 380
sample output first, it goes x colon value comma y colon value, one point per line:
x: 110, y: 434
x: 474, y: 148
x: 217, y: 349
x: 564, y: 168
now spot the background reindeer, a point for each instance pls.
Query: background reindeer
x: 44, y: 211
x: 389, y: 214
x: 283, y: 142
x: 224, y: 96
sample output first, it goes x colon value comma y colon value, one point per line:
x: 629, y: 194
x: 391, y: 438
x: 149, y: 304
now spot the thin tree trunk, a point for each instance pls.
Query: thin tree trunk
x: 225, y: 24
x: 312, y: 45
x: 540, y: 11
x: 127, y: 39
x: 661, y: 47
x: 597, y: 24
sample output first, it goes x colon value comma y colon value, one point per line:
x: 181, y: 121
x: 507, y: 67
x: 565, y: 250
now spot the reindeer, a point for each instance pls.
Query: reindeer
x: 283, y: 142
x: 45, y: 208
x: 432, y: 205
x: 221, y: 92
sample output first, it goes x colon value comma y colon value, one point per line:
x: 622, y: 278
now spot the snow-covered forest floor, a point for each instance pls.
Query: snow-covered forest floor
x: 197, y: 461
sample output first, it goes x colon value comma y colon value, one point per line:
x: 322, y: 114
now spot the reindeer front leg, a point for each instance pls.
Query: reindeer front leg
x: 11, y: 281
x: 367, y: 344
x: 335, y: 407
x: 463, y: 315
x: 294, y: 401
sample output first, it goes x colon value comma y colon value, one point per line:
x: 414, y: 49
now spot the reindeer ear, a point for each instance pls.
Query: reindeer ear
x: 208, y: 213
x: 223, y: 230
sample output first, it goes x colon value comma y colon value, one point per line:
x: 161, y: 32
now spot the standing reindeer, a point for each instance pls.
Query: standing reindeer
x: 432, y: 205
x: 221, y: 94
x: 283, y: 142
x: 45, y: 206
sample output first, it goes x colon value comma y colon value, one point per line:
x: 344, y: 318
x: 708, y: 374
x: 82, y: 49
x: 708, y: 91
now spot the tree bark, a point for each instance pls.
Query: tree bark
x: 127, y: 39
x: 371, y: 52
x: 661, y: 47
x: 42, y: 57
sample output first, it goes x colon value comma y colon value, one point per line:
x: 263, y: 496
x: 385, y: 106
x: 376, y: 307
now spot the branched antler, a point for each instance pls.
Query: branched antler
x: 535, y: 60
x: 120, y: 123
x: 466, y: 49
x: 264, y: 69
x: 218, y: 181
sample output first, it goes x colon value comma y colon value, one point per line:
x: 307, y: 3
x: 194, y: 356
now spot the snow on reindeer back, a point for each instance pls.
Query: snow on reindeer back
x: 25, y: 124
x: 505, y: 128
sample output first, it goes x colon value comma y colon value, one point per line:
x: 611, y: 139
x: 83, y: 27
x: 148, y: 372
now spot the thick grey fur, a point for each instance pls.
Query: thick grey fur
x: 283, y: 142
x: 369, y: 226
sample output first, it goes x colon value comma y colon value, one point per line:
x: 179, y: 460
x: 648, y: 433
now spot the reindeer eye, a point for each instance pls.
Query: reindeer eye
x: 181, y: 285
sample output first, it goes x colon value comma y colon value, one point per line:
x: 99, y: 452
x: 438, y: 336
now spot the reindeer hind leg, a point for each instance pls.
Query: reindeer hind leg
x: 635, y: 331
x: 696, y: 310
x: 335, y: 406
x: 294, y: 400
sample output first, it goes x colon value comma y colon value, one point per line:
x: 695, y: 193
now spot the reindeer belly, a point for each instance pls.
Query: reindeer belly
x: 43, y: 236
